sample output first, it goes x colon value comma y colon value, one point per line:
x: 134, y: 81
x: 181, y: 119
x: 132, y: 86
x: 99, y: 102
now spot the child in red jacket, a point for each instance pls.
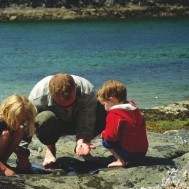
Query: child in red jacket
x: 125, y: 131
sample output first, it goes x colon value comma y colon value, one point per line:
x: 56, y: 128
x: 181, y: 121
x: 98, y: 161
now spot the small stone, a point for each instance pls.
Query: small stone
x: 40, y: 149
x: 12, y: 18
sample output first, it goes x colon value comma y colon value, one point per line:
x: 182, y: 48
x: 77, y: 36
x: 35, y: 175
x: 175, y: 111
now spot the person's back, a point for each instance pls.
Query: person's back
x: 132, y: 131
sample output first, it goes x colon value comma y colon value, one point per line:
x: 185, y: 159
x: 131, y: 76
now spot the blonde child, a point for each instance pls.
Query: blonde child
x: 17, y: 117
x: 125, y: 131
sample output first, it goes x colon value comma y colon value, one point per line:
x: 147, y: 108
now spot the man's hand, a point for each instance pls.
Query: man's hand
x: 83, y: 148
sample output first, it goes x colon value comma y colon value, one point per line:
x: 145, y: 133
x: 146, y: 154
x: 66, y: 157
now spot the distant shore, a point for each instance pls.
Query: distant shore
x: 40, y: 14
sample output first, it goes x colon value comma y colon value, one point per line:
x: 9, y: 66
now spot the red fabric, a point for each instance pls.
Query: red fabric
x: 128, y: 127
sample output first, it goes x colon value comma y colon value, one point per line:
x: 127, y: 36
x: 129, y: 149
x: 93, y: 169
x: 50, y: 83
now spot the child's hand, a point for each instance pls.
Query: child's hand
x: 23, y: 164
x: 83, y: 148
x: 22, y: 161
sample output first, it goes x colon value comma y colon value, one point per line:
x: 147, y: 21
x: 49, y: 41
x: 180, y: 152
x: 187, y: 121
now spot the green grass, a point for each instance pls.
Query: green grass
x: 162, y: 126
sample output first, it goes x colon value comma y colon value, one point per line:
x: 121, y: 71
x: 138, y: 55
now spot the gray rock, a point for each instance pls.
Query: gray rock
x: 175, y: 108
x: 178, y: 110
x: 165, y: 166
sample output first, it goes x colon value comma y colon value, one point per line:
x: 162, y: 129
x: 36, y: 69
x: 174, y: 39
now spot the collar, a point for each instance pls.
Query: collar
x: 127, y: 106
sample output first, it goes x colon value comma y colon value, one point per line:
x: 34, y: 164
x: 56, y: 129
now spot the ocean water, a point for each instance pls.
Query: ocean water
x: 150, y: 55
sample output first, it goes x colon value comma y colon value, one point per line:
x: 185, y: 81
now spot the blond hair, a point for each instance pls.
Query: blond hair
x: 16, y: 105
x: 112, y: 88
x: 61, y: 85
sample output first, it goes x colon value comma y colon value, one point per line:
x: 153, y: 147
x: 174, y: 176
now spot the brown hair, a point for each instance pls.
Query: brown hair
x: 112, y: 88
x: 16, y: 105
x: 61, y: 85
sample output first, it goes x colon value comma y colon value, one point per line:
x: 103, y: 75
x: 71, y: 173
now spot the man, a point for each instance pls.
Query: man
x: 66, y: 105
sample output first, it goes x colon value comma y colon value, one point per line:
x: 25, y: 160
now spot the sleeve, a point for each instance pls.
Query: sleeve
x: 39, y: 95
x: 40, y: 101
x: 86, y: 118
x: 25, y: 142
x: 110, y: 132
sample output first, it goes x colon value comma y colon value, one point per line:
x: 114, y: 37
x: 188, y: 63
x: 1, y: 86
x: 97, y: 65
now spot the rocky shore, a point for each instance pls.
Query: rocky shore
x: 38, y: 14
x: 166, y: 165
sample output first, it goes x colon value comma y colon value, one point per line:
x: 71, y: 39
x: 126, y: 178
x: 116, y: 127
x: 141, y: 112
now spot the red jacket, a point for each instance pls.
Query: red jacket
x: 125, y: 124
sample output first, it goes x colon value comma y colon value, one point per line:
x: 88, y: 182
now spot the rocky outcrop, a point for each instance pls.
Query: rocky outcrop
x: 90, y: 12
x: 84, y: 3
x: 166, y: 165
x: 178, y: 110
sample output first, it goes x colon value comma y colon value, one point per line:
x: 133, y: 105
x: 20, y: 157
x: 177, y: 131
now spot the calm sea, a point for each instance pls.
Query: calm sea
x: 151, y: 55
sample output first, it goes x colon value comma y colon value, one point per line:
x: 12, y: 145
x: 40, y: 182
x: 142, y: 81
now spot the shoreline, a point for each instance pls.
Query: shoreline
x: 58, y: 14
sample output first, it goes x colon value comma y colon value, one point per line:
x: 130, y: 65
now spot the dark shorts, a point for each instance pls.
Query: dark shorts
x: 130, y: 157
x: 49, y: 128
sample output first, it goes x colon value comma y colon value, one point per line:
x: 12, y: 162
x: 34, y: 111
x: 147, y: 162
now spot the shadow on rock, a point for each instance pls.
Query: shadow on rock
x: 150, y: 161
x: 35, y: 169
x: 74, y: 166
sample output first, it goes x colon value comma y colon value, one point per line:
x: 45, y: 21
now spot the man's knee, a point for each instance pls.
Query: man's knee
x: 45, y: 117
x: 47, y: 127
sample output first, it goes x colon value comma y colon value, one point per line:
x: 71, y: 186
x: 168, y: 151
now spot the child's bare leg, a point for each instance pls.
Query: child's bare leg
x: 14, y: 142
x: 5, y: 171
x: 4, y: 142
x: 50, y: 156
x: 119, y: 163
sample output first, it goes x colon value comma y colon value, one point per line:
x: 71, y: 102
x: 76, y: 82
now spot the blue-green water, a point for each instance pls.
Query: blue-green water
x: 151, y: 56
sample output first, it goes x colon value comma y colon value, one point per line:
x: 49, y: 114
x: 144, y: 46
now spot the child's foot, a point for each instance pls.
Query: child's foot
x: 49, y: 158
x: 117, y: 164
x: 9, y: 172
x: 5, y: 171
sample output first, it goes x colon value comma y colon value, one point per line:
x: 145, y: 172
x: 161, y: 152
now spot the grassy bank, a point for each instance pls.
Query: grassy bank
x: 165, y: 125
x: 172, y: 117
